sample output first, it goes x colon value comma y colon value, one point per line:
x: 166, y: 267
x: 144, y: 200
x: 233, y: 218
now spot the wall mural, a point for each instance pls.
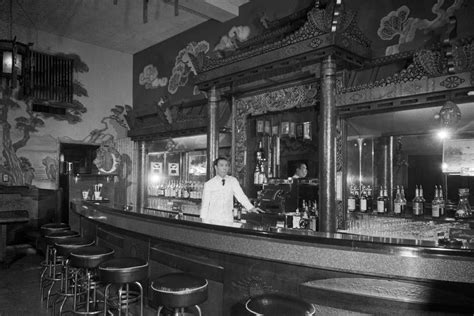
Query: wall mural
x: 149, y: 78
x: 112, y: 124
x: 183, y: 66
x: 26, y: 157
x: 236, y: 35
x: 398, y: 23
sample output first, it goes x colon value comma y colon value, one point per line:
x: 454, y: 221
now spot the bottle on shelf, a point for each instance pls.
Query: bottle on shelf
x: 351, y: 200
x: 381, y: 202
x: 417, y: 203
x: 363, y: 200
x: 422, y: 197
x: 404, y: 200
x: 435, y: 204
x: 442, y: 203
x: 386, y: 200
x: 464, y: 208
x: 398, y: 203
x: 370, y: 200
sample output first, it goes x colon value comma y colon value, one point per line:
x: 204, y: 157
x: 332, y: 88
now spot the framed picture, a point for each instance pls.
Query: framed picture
x: 156, y: 167
x: 307, y: 130
x: 173, y: 169
x: 458, y: 156
x: 292, y: 130
x: 268, y: 127
x: 285, y: 128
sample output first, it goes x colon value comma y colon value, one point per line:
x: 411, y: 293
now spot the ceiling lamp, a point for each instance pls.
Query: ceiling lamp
x: 15, y: 56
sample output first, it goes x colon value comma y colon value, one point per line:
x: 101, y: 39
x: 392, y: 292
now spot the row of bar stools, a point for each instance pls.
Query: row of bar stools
x: 179, y: 291
x: 123, y: 272
x: 86, y: 260
x: 47, y: 229
x: 64, y: 248
x: 275, y: 304
x: 54, y: 262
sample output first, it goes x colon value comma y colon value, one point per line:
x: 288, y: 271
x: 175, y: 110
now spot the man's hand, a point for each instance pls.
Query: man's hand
x: 256, y: 210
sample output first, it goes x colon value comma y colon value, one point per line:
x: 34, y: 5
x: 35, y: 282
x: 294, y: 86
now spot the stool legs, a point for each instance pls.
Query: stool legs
x: 123, y: 298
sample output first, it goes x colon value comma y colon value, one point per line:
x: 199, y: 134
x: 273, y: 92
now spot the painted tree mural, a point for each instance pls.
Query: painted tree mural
x: 16, y: 167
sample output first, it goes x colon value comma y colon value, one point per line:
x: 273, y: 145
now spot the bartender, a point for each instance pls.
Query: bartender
x: 301, y: 171
x: 218, y: 196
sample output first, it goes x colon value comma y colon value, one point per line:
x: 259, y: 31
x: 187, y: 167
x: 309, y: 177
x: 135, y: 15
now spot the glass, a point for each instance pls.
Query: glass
x: 464, y: 208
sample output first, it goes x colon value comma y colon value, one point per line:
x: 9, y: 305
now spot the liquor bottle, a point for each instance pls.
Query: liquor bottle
x: 385, y: 199
x: 435, y: 204
x: 351, y: 201
x: 357, y: 198
x: 404, y: 200
x: 441, y: 201
x: 363, y: 201
x: 398, y: 203
x: 381, y: 202
x: 417, y: 203
x: 370, y: 200
x: 260, y: 154
x: 256, y: 174
x: 423, y: 200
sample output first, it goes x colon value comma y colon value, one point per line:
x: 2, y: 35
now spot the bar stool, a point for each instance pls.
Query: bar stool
x: 179, y: 291
x: 64, y: 248
x: 123, y: 271
x: 53, y: 270
x: 86, y: 260
x: 274, y: 304
x: 46, y: 229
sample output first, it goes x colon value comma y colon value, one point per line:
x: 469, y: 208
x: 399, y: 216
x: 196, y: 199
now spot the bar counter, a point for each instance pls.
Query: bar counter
x: 335, y: 272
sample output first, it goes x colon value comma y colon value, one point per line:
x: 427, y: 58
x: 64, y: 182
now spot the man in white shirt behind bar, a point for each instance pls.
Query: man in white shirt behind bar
x: 217, y: 198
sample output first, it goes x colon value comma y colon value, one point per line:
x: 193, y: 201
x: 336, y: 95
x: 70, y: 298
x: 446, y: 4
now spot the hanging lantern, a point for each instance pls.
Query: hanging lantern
x: 15, y: 58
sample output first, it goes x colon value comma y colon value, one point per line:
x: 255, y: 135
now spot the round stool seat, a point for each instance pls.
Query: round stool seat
x: 279, y: 305
x: 90, y: 256
x: 123, y: 270
x: 65, y: 246
x: 179, y: 290
x: 53, y: 227
x: 60, y: 235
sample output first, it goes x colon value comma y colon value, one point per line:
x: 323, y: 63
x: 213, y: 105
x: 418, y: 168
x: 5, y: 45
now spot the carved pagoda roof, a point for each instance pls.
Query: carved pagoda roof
x: 299, y: 35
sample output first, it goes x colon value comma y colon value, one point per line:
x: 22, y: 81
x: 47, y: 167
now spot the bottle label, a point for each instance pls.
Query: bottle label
x: 363, y: 205
x: 417, y: 206
x: 351, y: 204
x: 380, y: 206
x: 435, y: 211
x: 397, y: 208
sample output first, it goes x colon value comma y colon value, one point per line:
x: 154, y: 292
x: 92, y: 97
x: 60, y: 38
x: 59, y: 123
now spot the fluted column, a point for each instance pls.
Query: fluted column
x: 212, y: 131
x: 327, y: 147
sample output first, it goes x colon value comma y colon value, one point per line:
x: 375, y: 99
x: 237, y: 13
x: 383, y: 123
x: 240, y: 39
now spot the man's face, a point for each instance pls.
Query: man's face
x: 302, y: 171
x: 222, y: 168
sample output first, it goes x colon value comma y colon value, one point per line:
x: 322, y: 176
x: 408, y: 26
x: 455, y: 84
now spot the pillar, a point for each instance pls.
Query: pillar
x: 212, y: 131
x: 327, y: 147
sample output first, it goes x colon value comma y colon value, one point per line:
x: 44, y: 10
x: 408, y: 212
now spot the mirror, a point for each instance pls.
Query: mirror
x: 405, y: 147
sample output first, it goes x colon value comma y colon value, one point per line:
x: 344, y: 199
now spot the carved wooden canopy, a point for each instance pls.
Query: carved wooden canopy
x: 289, y: 45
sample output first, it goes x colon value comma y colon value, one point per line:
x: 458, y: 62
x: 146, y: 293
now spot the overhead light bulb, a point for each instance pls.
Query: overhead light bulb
x: 444, y: 134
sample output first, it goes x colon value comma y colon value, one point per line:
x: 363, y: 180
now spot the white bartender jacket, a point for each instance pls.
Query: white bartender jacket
x: 217, y: 199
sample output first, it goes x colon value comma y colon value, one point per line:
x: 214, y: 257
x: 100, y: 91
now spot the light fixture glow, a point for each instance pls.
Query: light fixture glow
x: 444, y: 134
x: 444, y: 166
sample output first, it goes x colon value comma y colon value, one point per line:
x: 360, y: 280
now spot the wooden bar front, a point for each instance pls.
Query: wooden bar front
x: 336, y: 272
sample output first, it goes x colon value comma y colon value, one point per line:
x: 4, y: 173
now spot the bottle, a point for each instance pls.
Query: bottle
x: 370, y: 200
x: 363, y: 201
x: 435, y: 204
x: 385, y: 199
x: 260, y: 154
x: 442, y: 203
x: 417, y: 203
x: 256, y: 174
x: 381, y: 202
x: 351, y: 201
x: 464, y: 208
x: 404, y: 200
x: 357, y: 198
x: 398, y: 203
x: 423, y: 200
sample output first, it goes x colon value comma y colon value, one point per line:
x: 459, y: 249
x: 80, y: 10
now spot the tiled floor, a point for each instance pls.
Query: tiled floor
x: 19, y: 285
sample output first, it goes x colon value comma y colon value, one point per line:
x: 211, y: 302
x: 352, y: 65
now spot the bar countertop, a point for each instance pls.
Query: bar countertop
x: 404, y: 258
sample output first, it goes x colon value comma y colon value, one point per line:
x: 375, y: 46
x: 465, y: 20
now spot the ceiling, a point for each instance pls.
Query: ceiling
x: 114, y: 24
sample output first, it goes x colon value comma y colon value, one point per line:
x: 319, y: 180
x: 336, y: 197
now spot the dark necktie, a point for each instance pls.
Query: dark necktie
x: 223, y: 181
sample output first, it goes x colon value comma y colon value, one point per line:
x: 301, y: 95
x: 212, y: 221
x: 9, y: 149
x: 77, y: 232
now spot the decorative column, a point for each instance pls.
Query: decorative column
x: 327, y: 148
x: 212, y: 131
